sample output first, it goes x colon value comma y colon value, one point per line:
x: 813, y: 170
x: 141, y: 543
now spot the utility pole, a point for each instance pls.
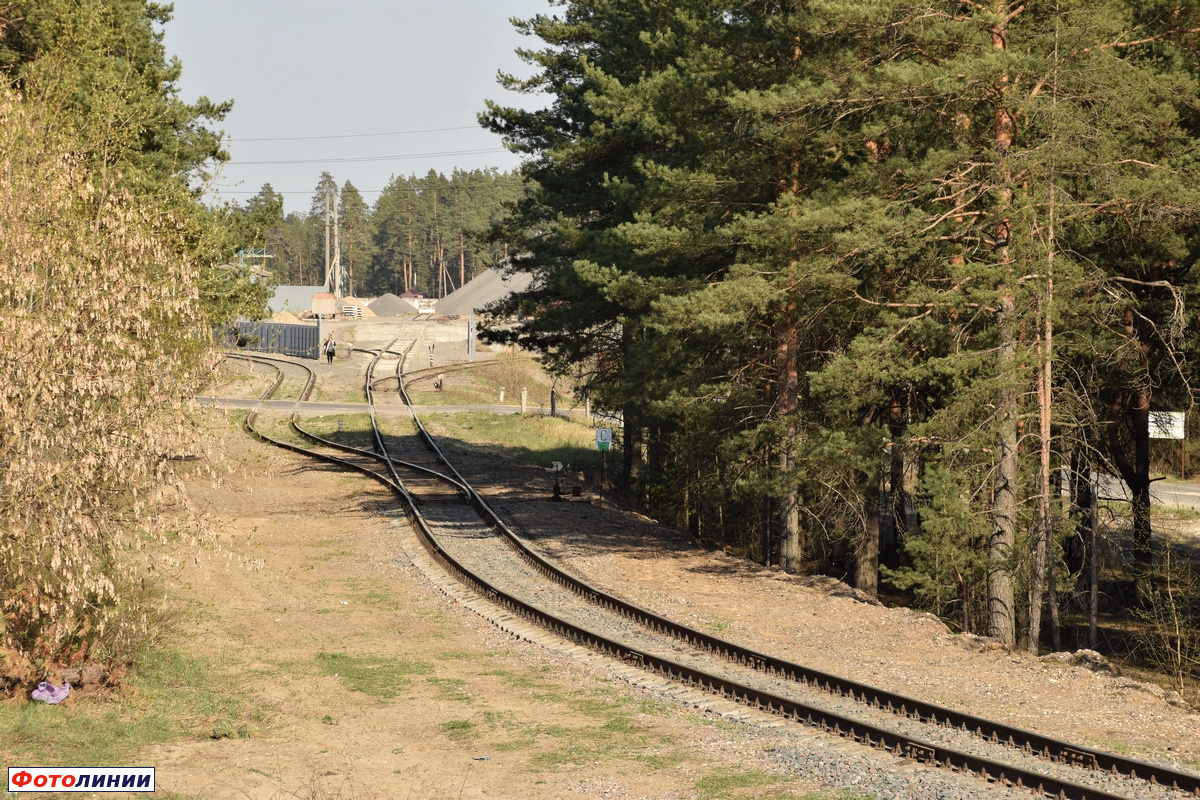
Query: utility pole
x: 328, y: 277
x: 337, y: 248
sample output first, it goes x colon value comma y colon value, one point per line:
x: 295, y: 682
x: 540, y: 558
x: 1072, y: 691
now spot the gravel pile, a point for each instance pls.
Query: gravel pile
x: 389, y: 305
x: 481, y: 291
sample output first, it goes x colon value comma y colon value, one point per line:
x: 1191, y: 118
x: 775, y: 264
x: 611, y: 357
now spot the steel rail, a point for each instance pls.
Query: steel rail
x: 824, y: 720
x: 827, y: 721
x: 295, y: 423
x: 1028, y: 741
x: 368, y: 392
x: 431, y: 372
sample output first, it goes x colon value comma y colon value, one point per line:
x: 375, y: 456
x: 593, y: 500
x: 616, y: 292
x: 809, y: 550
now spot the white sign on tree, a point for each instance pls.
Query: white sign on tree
x: 604, y: 438
x: 1167, y: 424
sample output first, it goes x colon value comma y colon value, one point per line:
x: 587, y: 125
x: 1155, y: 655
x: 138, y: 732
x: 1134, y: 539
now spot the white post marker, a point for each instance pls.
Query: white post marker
x: 604, y: 438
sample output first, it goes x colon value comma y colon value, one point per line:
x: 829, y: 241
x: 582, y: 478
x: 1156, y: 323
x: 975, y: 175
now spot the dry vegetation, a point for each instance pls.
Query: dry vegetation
x: 97, y: 313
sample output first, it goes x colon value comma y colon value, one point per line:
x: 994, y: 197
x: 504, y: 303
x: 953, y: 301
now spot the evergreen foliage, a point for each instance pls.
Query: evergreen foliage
x: 821, y: 254
x: 428, y: 233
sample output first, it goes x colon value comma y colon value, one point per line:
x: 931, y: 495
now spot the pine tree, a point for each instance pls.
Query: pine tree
x: 809, y: 236
x: 358, y: 234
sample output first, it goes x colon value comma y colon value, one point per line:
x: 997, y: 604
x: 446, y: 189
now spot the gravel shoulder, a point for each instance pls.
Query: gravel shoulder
x: 824, y: 624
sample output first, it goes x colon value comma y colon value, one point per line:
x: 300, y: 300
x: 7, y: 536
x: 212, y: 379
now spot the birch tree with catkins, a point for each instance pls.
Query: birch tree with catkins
x: 98, y: 318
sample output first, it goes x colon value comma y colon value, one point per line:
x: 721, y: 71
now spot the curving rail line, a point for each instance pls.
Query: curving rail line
x: 1029, y: 742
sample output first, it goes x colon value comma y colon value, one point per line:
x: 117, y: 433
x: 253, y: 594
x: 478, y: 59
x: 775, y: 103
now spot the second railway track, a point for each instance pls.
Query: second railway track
x: 468, y: 539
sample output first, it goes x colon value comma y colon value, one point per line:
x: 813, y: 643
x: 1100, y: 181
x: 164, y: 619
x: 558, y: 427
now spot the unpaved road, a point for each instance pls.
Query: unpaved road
x: 362, y: 680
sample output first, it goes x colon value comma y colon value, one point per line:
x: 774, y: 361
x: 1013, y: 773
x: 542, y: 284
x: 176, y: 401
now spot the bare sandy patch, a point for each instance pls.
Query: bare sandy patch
x: 359, y: 679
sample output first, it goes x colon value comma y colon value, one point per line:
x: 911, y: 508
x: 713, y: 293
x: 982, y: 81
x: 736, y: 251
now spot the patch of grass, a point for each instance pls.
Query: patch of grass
x: 504, y: 720
x: 459, y: 729
x: 531, y: 680
x: 597, y: 706
x: 451, y: 689
x: 724, y: 782
x: 1181, y: 513
x: 167, y: 697
x: 372, y: 675
x: 356, y: 428
x: 342, y: 394
x: 617, y: 736
x: 387, y: 602
x: 659, y: 761
x: 655, y: 708
x: 514, y: 744
x: 620, y: 724
x: 1122, y: 508
x: 465, y: 655
x: 1119, y: 747
x: 455, y: 396
x: 227, y: 729
x: 531, y: 438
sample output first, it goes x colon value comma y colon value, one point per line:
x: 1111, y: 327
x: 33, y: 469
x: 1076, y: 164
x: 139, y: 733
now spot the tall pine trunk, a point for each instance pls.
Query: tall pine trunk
x: 866, y: 573
x: 1001, y: 605
x: 791, y: 544
x: 1001, y: 609
x: 897, y: 496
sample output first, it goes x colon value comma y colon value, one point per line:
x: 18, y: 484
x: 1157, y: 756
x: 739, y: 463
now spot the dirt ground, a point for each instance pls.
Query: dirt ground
x: 366, y: 682
x: 362, y: 680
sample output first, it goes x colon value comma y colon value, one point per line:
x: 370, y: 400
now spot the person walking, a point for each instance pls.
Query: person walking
x: 330, y: 348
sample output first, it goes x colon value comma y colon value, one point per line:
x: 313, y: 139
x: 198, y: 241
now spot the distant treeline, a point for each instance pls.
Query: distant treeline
x: 425, y: 233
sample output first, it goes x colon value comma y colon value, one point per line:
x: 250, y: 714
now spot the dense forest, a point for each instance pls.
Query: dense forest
x: 423, y: 233
x: 879, y: 288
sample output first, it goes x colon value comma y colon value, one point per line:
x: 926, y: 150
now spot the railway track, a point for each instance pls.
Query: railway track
x: 467, y: 538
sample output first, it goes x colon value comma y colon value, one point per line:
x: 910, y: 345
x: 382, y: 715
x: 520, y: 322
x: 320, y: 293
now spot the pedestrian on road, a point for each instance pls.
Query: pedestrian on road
x: 330, y: 348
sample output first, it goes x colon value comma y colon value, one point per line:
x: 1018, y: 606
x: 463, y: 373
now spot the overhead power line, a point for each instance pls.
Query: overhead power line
x: 290, y: 191
x: 354, y: 135
x: 375, y: 158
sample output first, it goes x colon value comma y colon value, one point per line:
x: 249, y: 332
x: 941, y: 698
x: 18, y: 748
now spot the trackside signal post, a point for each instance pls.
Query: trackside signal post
x: 603, y: 444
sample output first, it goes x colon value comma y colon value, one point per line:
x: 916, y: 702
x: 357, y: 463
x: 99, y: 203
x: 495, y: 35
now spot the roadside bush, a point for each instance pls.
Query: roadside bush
x: 97, y: 317
x: 1170, y: 614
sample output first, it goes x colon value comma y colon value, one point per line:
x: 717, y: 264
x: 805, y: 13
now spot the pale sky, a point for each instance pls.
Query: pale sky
x: 320, y: 68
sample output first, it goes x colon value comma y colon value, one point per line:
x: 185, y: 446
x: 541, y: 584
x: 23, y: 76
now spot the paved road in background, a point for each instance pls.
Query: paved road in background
x: 1167, y: 493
